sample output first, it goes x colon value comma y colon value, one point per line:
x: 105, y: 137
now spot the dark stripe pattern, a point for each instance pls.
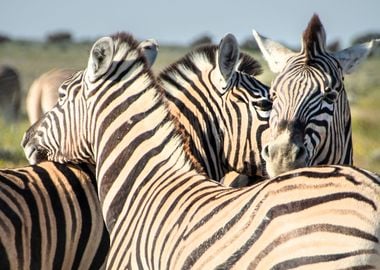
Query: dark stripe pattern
x: 226, y: 130
x: 162, y: 214
x: 309, y: 93
x: 50, y: 218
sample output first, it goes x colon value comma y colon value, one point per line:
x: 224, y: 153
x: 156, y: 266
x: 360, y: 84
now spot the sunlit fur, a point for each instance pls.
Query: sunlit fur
x: 227, y: 130
x: 50, y: 218
x: 163, y: 214
x: 310, y: 91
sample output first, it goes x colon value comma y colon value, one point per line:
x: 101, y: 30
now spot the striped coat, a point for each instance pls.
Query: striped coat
x: 225, y: 119
x: 50, y: 218
x: 310, y: 123
x: 163, y: 214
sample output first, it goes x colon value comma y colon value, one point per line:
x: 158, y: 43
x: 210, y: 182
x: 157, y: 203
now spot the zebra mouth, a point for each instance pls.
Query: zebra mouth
x: 35, y: 154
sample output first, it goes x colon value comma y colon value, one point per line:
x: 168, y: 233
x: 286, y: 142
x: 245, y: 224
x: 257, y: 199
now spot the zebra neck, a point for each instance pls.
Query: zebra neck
x: 342, y: 120
x: 201, y: 122
x: 339, y: 137
x: 135, y: 150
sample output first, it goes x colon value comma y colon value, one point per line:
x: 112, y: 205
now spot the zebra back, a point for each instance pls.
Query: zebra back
x: 310, y: 123
x: 213, y: 93
x: 50, y: 218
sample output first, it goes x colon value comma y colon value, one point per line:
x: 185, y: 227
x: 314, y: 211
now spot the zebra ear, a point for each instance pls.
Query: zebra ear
x: 351, y: 57
x: 228, y: 56
x: 149, y: 48
x: 101, y: 57
x: 274, y: 53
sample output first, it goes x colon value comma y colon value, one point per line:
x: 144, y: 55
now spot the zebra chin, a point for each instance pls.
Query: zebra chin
x: 276, y: 168
x: 278, y: 161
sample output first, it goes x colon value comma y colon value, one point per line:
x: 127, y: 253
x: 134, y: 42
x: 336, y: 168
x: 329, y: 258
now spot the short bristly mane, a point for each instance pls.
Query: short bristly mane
x: 246, y: 64
x: 313, y: 34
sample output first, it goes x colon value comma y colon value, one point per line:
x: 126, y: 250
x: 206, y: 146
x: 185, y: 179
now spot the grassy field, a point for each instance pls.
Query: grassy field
x: 32, y: 59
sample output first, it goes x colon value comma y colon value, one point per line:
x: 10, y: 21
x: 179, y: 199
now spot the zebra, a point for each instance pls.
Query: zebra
x: 50, y: 218
x: 221, y: 106
x: 310, y: 122
x: 162, y: 213
x: 43, y: 92
x: 10, y: 93
x: 50, y: 215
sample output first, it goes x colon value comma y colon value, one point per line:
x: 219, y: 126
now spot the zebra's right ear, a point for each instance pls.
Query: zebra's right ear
x: 228, y: 56
x: 274, y: 53
x: 101, y: 57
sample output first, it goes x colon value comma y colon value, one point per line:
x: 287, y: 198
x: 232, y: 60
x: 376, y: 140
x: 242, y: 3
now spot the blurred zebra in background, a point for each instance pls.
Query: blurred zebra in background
x: 10, y: 93
x: 50, y: 218
x: 43, y: 93
x: 310, y: 123
x: 162, y: 214
x: 221, y: 106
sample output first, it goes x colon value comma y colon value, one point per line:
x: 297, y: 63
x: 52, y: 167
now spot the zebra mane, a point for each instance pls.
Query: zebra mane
x: 247, y: 64
x: 314, y: 36
x: 127, y: 38
x: 134, y: 45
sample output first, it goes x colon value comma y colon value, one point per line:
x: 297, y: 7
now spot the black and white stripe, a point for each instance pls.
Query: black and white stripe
x: 50, y: 218
x: 163, y: 214
x: 310, y: 123
x: 221, y: 106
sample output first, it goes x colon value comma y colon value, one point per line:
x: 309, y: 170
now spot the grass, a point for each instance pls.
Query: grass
x: 366, y: 127
x: 32, y: 59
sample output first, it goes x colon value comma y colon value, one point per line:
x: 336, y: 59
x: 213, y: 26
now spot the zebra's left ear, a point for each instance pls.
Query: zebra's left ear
x: 228, y: 56
x: 101, y: 57
x: 274, y: 53
x: 351, y: 57
x: 149, y: 48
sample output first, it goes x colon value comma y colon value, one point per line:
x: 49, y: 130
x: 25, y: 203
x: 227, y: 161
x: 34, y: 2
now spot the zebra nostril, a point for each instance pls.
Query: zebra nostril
x: 301, y: 153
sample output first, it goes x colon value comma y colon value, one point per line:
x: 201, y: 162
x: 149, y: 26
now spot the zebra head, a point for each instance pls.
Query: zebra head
x: 220, y: 104
x: 310, y: 122
x: 56, y: 136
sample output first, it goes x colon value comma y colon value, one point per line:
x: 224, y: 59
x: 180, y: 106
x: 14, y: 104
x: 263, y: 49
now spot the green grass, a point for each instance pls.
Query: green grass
x: 32, y: 59
x: 366, y: 130
x: 11, y: 154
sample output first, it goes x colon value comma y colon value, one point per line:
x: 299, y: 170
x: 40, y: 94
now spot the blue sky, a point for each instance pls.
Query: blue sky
x: 171, y: 21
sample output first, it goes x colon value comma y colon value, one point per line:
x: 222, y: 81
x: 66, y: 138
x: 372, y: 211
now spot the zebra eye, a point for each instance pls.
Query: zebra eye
x: 61, y: 95
x: 264, y: 105
x: 330, y: 96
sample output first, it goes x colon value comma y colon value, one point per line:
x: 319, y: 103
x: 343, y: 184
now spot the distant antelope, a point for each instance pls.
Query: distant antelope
x: 10, y: 92
x: 43, y: 93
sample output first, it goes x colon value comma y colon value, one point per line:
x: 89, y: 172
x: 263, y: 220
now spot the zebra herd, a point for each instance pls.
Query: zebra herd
x: 155, y: 154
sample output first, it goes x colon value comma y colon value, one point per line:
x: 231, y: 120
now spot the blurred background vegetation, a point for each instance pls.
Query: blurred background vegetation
x: 31, y: 59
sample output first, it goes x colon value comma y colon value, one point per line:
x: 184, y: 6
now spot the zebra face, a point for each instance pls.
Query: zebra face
x: 310, y: 122
x: 56, y: 136
x: 66, y: 132
x: 307, y: 105
x: 224, y: 109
